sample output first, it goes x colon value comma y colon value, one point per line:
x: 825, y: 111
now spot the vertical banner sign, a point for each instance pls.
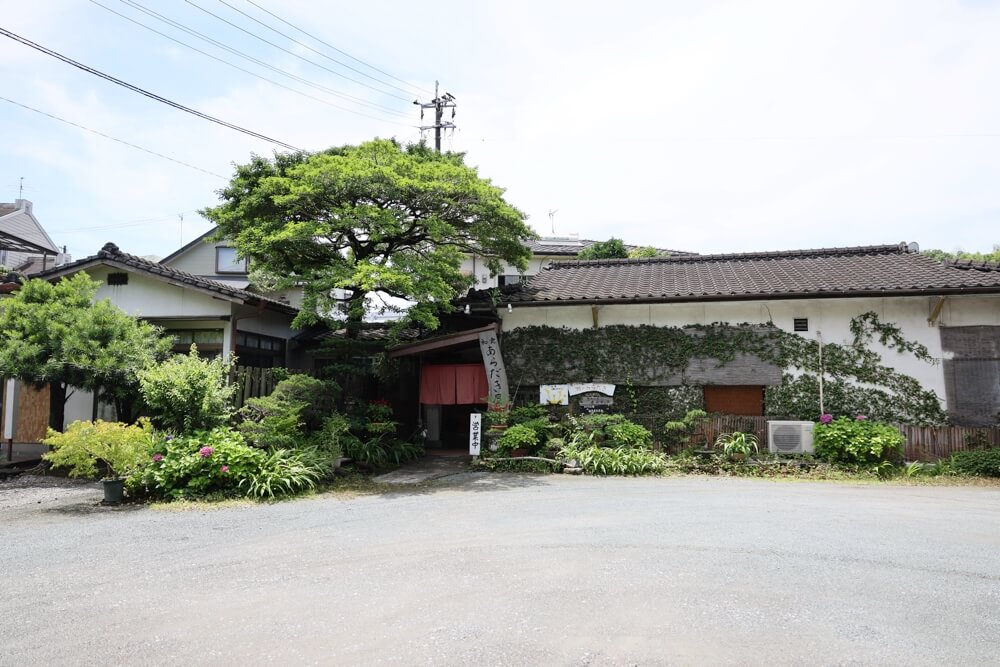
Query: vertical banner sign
x: 496, y: 374
x: 475, y: 433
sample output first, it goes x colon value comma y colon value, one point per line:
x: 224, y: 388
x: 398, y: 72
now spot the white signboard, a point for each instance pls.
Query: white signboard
x: 553, y: 394
x: 496, y: 374
x: 475, y: 433
x: 585, y: 387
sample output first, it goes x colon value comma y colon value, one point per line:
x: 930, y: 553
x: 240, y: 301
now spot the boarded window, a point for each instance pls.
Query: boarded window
x: 801, y: 323
x: 747, y: 400
x: 117, y: 279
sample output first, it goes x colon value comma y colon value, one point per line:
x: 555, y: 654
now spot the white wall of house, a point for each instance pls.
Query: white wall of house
x: 199, y: 259
x: 148, y: 297
x: 476, y: 266
x: 829, y: 318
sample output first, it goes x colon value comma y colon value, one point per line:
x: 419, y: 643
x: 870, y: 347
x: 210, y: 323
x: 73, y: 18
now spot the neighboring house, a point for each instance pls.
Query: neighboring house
x: 221, y: 319
x: 219, y: 261
x: 544, y: 251
x: 25, y: 247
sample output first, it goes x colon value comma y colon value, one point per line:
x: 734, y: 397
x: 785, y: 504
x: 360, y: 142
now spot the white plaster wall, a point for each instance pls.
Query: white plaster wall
x: 475, y: 266
x: 829, y: 318
x: 199, y: 260
x: 80, y: 406
x: 151, y: 298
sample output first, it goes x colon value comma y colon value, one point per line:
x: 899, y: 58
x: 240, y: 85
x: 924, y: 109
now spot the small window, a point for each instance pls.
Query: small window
x: 802, y: 324
x: 508, y: 280
x: 227, y: 260
x: 117, y: 279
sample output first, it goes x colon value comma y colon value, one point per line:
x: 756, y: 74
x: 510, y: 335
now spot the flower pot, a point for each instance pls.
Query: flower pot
x: 520, y: 451
x: 498, y: 427
x: 114, y: 491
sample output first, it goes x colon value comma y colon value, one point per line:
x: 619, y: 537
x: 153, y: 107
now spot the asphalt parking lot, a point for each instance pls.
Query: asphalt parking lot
x: 513, y: 570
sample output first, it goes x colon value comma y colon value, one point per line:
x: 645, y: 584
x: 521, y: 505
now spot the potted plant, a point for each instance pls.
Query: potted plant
x: 120, y: 449
x: 737, y: 446
x: 498, y: 412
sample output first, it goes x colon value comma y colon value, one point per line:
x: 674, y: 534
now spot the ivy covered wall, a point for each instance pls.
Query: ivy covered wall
x: 856, y: 381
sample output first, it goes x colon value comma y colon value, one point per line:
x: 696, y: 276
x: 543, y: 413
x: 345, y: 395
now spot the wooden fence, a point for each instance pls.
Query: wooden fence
x: 923, y: 443
x: 251, y: 382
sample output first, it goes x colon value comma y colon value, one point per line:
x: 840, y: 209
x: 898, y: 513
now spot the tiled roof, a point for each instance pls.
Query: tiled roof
x: 858, y: 271
x: 111, y: 255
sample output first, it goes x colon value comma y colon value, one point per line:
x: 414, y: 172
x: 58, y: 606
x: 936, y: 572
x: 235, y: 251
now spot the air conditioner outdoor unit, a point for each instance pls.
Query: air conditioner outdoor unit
x: 790, y: 437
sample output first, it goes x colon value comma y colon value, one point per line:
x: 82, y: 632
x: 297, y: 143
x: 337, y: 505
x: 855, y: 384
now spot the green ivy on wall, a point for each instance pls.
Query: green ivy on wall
x: 855, y: 379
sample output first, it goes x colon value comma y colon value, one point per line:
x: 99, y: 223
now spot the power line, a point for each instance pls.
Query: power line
x: 331, y: 46
x: 251, y: 73
x: 236, y: 52
x: 146, y: 93
x: 320, y: 53
x: 121, y: 141
x: 292, y: 53
x: 121, y: 225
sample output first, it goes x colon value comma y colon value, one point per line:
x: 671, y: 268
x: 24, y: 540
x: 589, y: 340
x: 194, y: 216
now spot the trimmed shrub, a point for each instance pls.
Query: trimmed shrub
x: 857, y: 441
x: 608, y: 431
x: 187, y: 393
x: 975, y: 463
x: 519, y: 436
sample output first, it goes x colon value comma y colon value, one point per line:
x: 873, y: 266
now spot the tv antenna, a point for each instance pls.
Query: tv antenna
x: 552, y: 219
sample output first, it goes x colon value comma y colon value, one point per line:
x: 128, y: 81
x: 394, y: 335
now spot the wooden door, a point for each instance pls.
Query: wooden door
x: 745, y: 400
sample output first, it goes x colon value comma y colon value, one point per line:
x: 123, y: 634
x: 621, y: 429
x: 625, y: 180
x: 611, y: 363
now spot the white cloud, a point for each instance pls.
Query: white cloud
x: 703, y: 126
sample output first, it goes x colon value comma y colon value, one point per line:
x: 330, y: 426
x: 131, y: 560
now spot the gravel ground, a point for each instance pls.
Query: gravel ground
x: 514, y: 570
x: 28, y: 492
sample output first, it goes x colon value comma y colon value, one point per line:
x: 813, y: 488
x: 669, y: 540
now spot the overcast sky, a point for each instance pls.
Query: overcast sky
x: 695, y: 125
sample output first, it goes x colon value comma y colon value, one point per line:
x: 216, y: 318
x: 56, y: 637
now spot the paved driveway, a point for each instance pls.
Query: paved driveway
x: 515, y: 570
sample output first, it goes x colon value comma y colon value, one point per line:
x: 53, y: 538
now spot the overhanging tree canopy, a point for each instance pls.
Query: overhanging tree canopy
x: 56, y: 334
x: 377, y: 218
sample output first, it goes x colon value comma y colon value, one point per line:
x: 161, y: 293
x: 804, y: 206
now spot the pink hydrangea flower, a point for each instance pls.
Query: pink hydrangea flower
x: 157, y: 457
x: 224, y: 469
x: 825, y: 418
x: 861, y: 418
x: 205, y: 452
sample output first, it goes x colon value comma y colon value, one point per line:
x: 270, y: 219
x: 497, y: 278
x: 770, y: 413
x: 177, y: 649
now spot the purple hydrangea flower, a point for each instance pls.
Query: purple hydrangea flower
x: 825, y: 418
x: 169, y: 438
x: 205, y: 452
x: 157, y: 457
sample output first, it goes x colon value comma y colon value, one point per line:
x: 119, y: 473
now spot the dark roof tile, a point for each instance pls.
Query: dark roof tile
x: 857, y: 271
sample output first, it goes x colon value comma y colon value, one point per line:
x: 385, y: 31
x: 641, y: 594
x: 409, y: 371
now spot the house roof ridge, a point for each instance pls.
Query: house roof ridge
x: 110, y: 251
x: 848, y: 251
x: 187, y: 246
x: 974, y: 264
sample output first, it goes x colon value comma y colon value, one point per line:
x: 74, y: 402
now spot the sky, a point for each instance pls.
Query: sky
x: 705, y: 126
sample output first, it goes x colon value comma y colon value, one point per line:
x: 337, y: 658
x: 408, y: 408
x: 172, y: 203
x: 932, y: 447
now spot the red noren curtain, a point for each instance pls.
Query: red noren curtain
x: 451, y: 384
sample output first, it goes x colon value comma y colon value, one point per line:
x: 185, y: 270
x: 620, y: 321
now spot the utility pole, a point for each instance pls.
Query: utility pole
x: 439, y: 104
